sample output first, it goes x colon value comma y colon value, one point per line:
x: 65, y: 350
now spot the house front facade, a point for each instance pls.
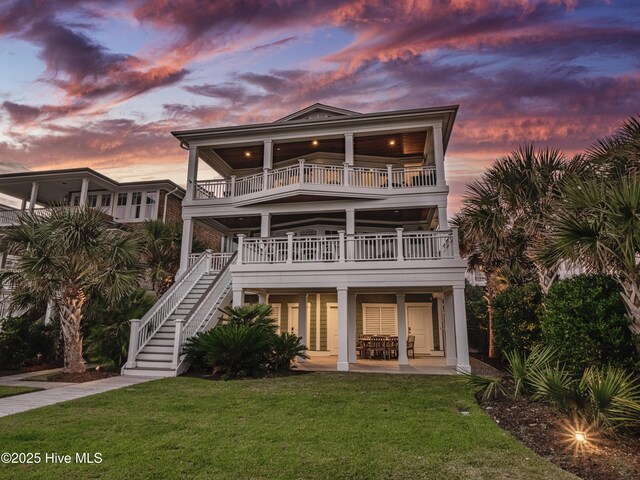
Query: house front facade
x: 335, y: 218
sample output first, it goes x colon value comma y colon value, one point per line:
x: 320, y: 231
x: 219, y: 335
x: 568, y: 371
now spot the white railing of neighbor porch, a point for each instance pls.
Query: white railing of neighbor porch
x: 216, y: 260
x: 366, y: 247
x: 313, y: 174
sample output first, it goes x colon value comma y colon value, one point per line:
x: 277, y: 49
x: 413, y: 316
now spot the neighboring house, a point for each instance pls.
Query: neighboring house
x: 345, y: 213
x: 127, y: 203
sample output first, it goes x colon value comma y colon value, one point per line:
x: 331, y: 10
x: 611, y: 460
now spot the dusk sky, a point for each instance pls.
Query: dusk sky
x: 102, y: 83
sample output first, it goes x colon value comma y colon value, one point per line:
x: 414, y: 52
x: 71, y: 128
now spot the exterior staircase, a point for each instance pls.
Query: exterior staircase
x: 190, y: 306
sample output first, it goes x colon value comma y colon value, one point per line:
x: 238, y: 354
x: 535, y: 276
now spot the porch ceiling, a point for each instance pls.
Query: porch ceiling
x: 388, y: 145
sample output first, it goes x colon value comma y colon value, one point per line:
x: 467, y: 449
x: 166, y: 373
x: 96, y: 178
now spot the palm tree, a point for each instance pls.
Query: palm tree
x: 161, y: 242
x: 66, y: 256
x: 504, y: 216
x: 597, y: 223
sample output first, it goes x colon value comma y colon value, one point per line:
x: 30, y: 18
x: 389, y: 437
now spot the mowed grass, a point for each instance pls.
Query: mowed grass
x: 11, y: 391
x: 314, y: 426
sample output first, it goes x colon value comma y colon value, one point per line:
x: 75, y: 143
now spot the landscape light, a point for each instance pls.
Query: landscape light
x: 581, y: 437
x: 392, y: 142
x: 314, y: 143
x: 247, y: 154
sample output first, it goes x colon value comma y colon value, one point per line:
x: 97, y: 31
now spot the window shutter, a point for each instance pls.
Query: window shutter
x: 388, y: 320
x: 372, y: 320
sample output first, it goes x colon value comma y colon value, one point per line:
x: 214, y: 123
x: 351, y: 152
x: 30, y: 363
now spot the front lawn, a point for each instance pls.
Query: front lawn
x: 321, y: 425
x: 11, y: 391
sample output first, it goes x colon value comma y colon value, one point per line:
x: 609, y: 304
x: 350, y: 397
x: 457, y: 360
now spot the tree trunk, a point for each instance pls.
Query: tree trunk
x: 70, y: 318
x: 546, y: 277
x: 493, y: 353
x: 631, y: 296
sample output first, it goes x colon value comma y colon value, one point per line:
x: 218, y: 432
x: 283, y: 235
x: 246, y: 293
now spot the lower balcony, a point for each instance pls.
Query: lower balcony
x: 398, y: 246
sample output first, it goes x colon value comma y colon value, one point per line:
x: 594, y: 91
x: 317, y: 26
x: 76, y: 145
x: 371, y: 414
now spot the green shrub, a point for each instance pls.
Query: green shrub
x: 284, y: 350
x: 22, y: 339
x: 244, y: 345
x: 585, y: 322
x: 108, y: 327
x: 516, y: 323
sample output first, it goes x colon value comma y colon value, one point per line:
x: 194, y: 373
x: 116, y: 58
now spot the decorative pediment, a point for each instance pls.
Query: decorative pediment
x: 317, y: 111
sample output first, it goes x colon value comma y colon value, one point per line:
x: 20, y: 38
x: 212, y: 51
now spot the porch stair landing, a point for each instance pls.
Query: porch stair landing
x: 192, y: 305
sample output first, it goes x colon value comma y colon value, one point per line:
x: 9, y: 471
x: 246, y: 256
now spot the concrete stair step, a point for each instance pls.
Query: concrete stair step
x: 149, y: 372
x: 164, y: 349
x: 152, y: 364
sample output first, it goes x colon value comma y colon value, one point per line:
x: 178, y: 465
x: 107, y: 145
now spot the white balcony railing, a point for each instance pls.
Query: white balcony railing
x: 217, y: 261
x: 367, y: 247
x: 312, y: 174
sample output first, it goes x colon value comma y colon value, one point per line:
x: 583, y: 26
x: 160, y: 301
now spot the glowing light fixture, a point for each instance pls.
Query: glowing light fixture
x: 392, y: 142
x: 314, y: 143
x: 581, y: 437
x: 247, y: 154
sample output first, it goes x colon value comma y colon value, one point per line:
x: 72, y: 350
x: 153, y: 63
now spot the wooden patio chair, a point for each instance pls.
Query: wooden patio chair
x: 411, y: 340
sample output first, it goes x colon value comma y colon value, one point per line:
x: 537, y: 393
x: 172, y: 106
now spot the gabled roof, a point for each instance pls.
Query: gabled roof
x: 317, y: 111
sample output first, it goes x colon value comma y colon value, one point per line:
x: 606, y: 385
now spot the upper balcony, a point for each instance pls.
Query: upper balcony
x: 320, y: 153
x: 307, y: 178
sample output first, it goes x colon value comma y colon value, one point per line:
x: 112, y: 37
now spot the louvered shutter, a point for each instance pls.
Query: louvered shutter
x: 380, y: 319
x: 388, y: 320
x: 372, y: 320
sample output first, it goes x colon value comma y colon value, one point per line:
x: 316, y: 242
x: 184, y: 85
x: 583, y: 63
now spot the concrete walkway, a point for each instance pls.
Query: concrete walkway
x: 56, y: 392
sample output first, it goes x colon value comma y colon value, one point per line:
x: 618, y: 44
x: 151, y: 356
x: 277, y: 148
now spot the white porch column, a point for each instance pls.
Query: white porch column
x: 23, y: 204
x: 262, y: 298
x: 403, y: 359
x: 351, y: 229
x: 238, y: 297
x: 343, y: 330
x: 34, y: 195
x: 84, y: 193
x: 267, y: 158
x: 438, y: 150
x: 351, y: 330
x: 185, y: 247
x: 192, y: 173
x: 443, y: 223
x: 302, y: 321
x: 265, y: 224
x: 449, y: 330
x: 462, y: 344
x: 439, y: 303
x: 348, y: 149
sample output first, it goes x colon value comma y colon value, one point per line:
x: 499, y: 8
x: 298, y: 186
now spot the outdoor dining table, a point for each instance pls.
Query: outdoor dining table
x: 378, y: 346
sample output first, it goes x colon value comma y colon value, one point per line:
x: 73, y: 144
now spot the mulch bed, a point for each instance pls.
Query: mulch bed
x: 547, y: 432
x: 87, y: 376
x: 207, y: 375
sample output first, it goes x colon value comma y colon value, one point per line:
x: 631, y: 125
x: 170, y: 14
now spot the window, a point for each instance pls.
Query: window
x: 92, y: 200
x: 136, y: 204
x: 151, y: 204
x: 76, y: 200
x: 105, y: 201
x: 121, y: 206
x: 379, y: 319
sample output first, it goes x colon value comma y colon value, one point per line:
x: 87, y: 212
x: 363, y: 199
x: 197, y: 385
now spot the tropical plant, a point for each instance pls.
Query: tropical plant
x: 604, y: 398
x: 516, y: 321
x: 25, y: 341
x: 284, y: 350
x: 504, y: 215
x: 584, y: 320
x: 245, y: 344
x: 108, y: 327
x: 477, y: 320
x: 237, y: 351
x: 597, y: 222
x: 521, y: 366
x: 161, y: 243
x: 490, y: 387
x: 67, y: 255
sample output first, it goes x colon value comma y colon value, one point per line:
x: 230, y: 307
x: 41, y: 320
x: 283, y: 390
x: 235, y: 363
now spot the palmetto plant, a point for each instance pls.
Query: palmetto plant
x: 597, y: 222
x: 68, y: 255
x: 504, y: 214
x: 522, y: 366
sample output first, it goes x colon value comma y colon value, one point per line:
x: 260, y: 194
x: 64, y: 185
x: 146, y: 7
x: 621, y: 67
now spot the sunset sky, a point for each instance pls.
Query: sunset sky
x: 102, y: 83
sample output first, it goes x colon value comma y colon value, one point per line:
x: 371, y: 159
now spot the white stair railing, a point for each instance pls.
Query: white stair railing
x: 202, y: 312
x: 145, y: 328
